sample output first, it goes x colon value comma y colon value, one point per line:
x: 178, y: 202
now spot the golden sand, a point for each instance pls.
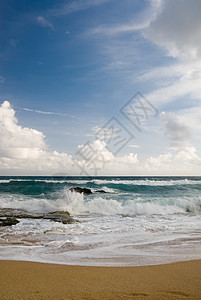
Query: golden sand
x: 27, y: 280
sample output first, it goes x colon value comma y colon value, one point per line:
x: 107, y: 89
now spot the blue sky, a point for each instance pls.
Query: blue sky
x: 68, y: 67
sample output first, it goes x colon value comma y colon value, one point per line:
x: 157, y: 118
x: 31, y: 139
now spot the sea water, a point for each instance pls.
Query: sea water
x: 137, y: 221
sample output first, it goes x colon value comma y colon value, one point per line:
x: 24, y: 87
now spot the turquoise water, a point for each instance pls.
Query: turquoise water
x: 138, y: 220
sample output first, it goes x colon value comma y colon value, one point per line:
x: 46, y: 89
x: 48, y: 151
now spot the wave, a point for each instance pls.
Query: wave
x: 162, y: 181
x: 16, y: 180
x: 149, y: 182
x: 78, y: 204
x: 44, y: 181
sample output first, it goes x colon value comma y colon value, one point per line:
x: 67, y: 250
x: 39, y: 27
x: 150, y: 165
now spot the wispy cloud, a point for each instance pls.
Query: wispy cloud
x: 45, y: 23
x: 185, y: 81
x: 124, y: 28
x: 75, y: 6
x: 47, y: 112
x: 143, y: 21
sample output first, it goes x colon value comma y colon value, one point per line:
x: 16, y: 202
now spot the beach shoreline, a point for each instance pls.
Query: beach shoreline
x: 31, y: 280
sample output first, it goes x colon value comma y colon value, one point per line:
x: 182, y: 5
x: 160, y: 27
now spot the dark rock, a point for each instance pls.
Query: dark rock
x: 81, y: 190
x: 60, y: 216
x: 61, y: 213
x: 101, y: 191
x: 9, y: 216
x: 9, y: 221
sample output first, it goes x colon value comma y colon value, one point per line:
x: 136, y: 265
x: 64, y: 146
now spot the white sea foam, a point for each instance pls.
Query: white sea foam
x: 78, y: 204
x: 5, y: 180
x: 139, y: 182
x: 148, y: 182
x: 62, y: 181
x: 106, y: 240
x: 15, y: 180
x: 119, y: 228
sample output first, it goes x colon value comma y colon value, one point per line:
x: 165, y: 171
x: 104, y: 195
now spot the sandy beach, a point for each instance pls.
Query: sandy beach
x: 28, y: 280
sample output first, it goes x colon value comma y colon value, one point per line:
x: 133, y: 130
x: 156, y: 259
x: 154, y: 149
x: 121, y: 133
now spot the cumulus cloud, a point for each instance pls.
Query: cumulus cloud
x: 180, y: 161
x: 94, y: 158
x: 45, y: 23
x: 177, y: 28
x: 23, y: 149
x: 177, y: 162
x: 15, y: 136
x: 182, y: 157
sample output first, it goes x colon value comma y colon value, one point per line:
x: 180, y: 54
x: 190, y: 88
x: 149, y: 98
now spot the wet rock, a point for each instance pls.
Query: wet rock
x: 61, y: 213
x: 101, y: 191
x: 60, y: 216
x: 9, y: 216
x: 9, y: 221
x: 86, y: 191
x: 81, y: 190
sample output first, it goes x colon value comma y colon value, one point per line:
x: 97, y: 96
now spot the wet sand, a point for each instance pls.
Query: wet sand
x: 28, y: 280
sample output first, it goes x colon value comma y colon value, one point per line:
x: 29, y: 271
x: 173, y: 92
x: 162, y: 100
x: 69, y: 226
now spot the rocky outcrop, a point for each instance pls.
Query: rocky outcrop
x: 60, y: 216
x: 81, y: 190
x: 9, y: 221
x: 9, y: 217
x: 101, y: 192
x: 86, y: 191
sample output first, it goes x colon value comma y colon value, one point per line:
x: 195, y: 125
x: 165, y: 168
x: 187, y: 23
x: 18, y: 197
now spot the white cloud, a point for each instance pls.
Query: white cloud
x: 176, y: 131
x: 173, y: 82
x: 45, y: 23
x: 141, y: 21
x: 181, y: 158
x: 181, y: 71
x: 112, y: 30
x: 94, y: 158
x: 192, y: 116
x: 23, y: 150
x: 161, y: 162
x: 188, y: 154
x: 178, y: 162
x: 76, y: 6
x: 97, y: 160
x: 42, y: 112
x: 177, y: 28
x: 15, y: 136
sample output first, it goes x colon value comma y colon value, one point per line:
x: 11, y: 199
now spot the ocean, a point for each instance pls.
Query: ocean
x: 126, y: 221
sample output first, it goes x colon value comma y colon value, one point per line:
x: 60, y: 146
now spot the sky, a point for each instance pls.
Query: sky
x: 100, y: 87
